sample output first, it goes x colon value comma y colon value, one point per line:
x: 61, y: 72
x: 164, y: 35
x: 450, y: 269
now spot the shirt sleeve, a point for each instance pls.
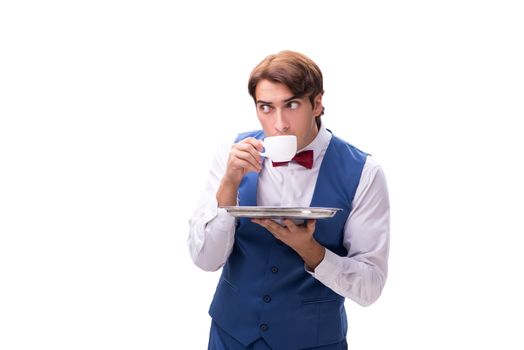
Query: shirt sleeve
x: 212, y: 229
x: 361, y: 275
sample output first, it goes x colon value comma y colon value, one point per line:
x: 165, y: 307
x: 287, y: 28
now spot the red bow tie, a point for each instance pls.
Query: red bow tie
x: 304, y: 158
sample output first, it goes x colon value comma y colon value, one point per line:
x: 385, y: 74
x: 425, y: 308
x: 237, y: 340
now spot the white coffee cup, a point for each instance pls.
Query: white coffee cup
x: 280, y: 148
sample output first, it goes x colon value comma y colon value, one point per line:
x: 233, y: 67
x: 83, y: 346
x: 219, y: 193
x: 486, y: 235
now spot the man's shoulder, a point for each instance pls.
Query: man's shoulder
x: 369, y: 164
x: 343, y: 144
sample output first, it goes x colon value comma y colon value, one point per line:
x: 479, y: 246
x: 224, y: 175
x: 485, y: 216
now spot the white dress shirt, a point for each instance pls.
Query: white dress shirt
x: 359, y: 276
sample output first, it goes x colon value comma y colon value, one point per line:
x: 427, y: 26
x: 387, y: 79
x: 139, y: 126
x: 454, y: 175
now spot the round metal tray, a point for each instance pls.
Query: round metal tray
x: 281, y: 212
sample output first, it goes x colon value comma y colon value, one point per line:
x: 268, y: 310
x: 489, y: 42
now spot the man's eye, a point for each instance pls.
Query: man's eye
x: 293, y: 105
x: 265, y: 108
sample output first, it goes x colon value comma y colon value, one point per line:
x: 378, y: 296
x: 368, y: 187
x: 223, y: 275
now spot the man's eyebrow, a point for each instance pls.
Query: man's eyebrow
x: 270, y: 103
x: 291, y: 98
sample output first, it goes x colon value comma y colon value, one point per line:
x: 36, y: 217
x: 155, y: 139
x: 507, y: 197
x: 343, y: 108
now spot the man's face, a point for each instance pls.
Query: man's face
x: 281, y: 113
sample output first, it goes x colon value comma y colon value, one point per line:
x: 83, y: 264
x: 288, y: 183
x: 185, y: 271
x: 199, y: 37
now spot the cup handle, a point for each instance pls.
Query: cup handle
x: 263, y: 154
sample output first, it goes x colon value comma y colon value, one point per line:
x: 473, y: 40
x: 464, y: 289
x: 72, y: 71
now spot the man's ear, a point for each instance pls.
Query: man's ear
x: 317, y: 105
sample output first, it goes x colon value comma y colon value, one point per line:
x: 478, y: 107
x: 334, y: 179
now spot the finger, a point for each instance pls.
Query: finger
x: 260, y: 222
x: 290, y: 224
x: 266, y: 224
x: 257, y: 144
x: 277, y: 229
x: 263, y: 222
x: 271, y: 225
x: 254, y: 147
x: 245, y: 159
x: 252, y: 144
x: 311, y: 224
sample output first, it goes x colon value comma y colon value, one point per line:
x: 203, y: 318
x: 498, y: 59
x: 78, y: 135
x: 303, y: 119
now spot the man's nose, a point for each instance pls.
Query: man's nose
x: 281, y: 124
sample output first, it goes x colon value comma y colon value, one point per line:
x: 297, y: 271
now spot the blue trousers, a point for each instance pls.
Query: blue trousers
x: 221, y: 340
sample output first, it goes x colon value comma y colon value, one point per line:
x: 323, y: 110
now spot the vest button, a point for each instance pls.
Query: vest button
x: 264, y: 327
x: 274, y: 269
x: 266, y: 298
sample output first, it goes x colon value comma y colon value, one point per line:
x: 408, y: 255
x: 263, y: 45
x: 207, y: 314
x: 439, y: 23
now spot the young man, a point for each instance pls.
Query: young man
x: 283, y: 284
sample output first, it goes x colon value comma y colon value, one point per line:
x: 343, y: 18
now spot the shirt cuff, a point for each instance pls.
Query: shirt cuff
x: 216, y: 216
x: 326, y: 272
x: 223, y: 218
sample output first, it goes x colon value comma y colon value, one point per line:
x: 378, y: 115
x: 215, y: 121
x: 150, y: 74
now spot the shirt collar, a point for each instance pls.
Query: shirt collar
x: 319, y: 143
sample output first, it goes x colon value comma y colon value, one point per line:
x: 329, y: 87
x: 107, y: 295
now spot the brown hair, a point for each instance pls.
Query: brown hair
x: 295, y: 70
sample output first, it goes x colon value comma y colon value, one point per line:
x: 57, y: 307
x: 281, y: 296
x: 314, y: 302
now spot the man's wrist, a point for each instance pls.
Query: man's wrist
x: 313, y: 254
x: 227, y: 193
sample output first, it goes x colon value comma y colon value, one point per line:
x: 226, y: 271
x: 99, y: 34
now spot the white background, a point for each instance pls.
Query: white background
x: 110, y: 114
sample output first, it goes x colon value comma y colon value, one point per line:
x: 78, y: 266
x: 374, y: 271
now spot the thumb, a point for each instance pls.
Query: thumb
x: 311, y: 225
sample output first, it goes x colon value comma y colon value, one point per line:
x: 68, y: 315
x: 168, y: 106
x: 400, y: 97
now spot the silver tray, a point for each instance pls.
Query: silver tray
x: 281, y: 212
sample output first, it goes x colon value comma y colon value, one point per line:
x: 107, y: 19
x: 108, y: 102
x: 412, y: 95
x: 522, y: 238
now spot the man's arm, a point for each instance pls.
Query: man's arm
x: 298, y: 237
x: 243, y: 158
x: 211, y: 232
x: 362, y: 274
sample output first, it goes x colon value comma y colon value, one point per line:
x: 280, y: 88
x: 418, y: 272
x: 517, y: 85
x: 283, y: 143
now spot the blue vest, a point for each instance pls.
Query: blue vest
x: 264, y: 290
